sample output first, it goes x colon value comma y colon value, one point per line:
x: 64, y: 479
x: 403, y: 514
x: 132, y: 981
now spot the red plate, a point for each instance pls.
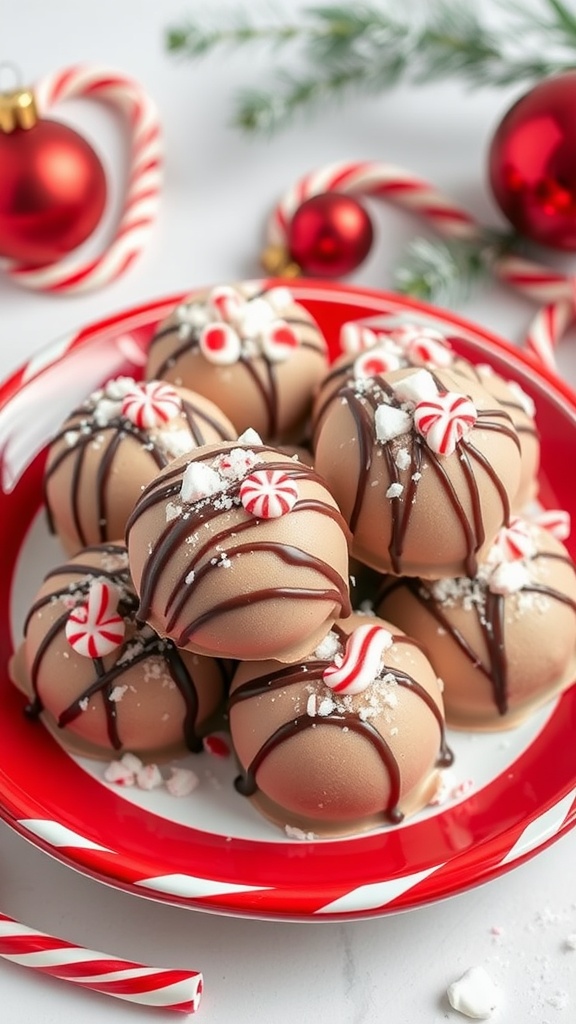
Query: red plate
x: 212, y: 851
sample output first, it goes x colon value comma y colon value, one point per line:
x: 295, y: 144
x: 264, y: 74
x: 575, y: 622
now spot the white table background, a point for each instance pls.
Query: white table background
x: 219, y: 189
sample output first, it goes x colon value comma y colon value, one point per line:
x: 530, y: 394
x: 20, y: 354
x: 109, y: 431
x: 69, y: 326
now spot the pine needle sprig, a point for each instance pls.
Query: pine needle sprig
x: 367, y: 47
x: 446, y: 273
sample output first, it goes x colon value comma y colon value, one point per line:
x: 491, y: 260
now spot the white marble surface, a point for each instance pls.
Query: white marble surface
x: 219, y: 190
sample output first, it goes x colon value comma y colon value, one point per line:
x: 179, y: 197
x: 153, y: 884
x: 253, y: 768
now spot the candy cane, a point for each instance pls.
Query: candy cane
x: 77, y: 274
x: 150, y: 986
x: 415, y: 195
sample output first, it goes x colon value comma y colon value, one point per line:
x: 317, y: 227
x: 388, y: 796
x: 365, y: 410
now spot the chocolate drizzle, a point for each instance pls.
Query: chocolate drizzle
x: 310, y: 674
x: 110, y: 437
x: 199, y: 566
x: 143, y: 644
x: 489, y: 613
x: 362, y: 407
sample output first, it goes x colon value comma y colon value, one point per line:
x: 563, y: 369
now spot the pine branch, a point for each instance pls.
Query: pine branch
x: 368, y: 48
x: 445, y: 273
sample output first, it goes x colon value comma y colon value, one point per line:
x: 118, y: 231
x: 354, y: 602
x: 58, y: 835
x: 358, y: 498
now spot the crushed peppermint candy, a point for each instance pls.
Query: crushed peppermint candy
x: 250, y: 436
x: 390, y: 422
x: 419, y: 386
x: 402, y: 458
x: 395, y: 490
x: 328, y: 647
x: 474, y: 994
x: 509, y: 577
x: 182, y: 782
x: 149, y: 777
x: 200, y: 481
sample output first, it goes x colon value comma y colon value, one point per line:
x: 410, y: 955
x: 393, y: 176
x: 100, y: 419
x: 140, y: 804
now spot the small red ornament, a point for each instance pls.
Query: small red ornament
x: 52, y: 184
x: 532, y: 163
x: 330, y: 235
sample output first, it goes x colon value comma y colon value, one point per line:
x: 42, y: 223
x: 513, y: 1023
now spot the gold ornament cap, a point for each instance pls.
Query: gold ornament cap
x: 17, y: 110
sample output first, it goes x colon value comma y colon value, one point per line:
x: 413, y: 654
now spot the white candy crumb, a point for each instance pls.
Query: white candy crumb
x: 416, y: 388
x: 172, y: 511
x: 390, y: 422
x: 182, y: 782
x: 200, y: 481
x: 250, y: 436
x: 84, y: 703
x: 311, y: 705
x: 508, y: 578
x: 189, y: 578
x: 297, y: 833
x: 328, y: 648
x: 131, y: 762
x: 403, y: 458
x: 394, y: 490
x: 474, y: 994
x: 117, y: 693
x: 149, y: 777
x: 71, y: 437
x: 326, y: 707
x: 119, y: 774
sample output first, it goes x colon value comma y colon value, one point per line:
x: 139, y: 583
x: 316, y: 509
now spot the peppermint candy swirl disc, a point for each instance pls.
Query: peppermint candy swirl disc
x: 515, y: 541
x: 374, y: 362
x: 428, y: 350
x: 362, y: 661
x: 443, y: 421
x: 356, y: 338
x: 279, y: 341
x: 226, y: 303
x: 220, y: 344
x: 150, y: 405
x: 268, y: 493
x: 94, y: 628
x: 556, y: 521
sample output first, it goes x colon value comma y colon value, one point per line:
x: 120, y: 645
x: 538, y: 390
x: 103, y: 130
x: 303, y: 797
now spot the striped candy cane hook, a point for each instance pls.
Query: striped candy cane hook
x: 556, y: 291
x: 74, y: 274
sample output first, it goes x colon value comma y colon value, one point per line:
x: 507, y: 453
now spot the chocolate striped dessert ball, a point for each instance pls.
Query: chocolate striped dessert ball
x: 241, y: 551
x: 112, y: 445
x: 101, y: 682
x: 424, y: 467
x: 255, y: 352
x: 504, y: 641
x: 349, y: 738
x: 368, y: 352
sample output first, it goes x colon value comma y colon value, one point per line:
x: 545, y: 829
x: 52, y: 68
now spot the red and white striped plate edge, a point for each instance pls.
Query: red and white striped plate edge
x: 518, y: 813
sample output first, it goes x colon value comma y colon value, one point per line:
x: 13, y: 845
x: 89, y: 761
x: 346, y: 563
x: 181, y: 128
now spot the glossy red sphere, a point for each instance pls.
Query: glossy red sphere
x: 330, y: 235
x: 532, y: 163
x: 52, y: 192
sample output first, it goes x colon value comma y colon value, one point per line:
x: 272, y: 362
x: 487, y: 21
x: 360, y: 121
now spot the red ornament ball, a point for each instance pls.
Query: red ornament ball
x: 52, y: 192
x: 330, y: 235
x: 532, y: 163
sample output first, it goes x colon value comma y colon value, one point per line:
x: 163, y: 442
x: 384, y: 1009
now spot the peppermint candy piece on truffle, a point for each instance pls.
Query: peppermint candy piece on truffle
x: 515, y: 541
x: 268, y: 493
x: 278, y: 340
x: 428, y: 350
x: 150, y: 405
x: 445, y: 420
x: 374, y: 362
x: 94, y: 628
x: 220, y: 344
x: 556, y: 521
x: 361, y: 662
x: 226, y: 302
x: 354, y: 338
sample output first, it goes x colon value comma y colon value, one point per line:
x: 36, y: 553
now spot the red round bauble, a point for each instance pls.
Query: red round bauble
x: 329, y: 235
x: 532, y: 163
x: 52, y: 192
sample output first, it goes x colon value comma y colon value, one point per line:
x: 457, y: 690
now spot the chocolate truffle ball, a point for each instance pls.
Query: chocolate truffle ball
x: 239, y: 551
x: 347, y: 739
x: 112, y: 446
x: 254, y: 351
x: 103, y: 684
x: 504, y: 641
x: 423, y: 470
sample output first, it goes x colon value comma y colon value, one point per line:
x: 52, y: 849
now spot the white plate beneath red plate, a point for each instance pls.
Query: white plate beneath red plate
x: 514, y: 793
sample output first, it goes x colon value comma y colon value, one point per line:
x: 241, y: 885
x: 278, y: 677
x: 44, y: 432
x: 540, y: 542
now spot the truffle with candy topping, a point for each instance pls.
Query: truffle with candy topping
x: 253, y: 350
x: 241, y: 551
x: 112, y: 445
x: 368, y: 352
x: 423, y: 470
x: 504, y: 642
x: 347, y: 739
x: 103, y: 684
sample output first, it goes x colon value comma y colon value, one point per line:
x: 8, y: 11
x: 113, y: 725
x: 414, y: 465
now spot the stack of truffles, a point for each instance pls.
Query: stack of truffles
x: 335, y: 561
